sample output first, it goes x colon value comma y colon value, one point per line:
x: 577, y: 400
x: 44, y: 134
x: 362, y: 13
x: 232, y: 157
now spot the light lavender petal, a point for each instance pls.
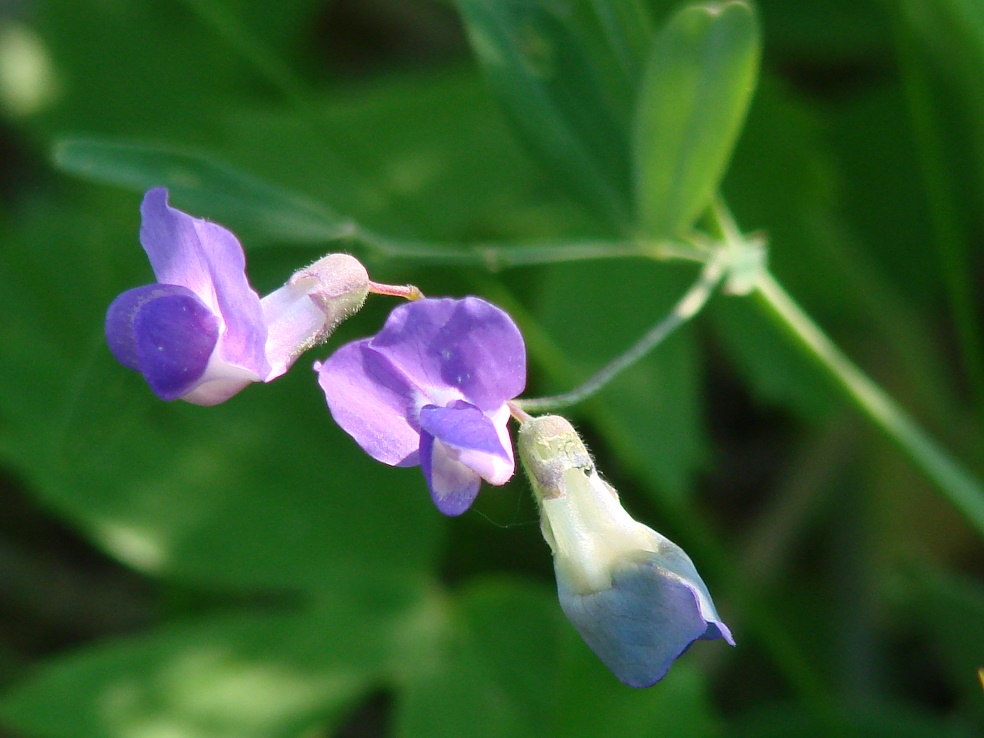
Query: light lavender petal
x: 469, y: 345
x: 473, y: 437
x: 173, y: 246
x: 372, y: 402
x: 207, y: 259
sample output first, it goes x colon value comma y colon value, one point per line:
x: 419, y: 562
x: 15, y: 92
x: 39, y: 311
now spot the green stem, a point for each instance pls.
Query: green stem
x: 962, y: 490
x: 689, y: 305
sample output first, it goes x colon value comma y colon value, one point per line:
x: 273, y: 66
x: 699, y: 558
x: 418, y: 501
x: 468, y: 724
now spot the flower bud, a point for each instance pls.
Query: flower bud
x: 634, y: 596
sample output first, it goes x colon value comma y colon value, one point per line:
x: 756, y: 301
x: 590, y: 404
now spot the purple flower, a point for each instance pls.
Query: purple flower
x: 634, y: 596
x: 198, y: 334
x: 201, y: 333
x: 431, y: 389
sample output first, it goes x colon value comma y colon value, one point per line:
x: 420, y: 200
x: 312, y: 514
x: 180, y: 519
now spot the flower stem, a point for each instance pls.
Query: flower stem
x: 962, y: 490
x: 406, y: 291
x: 518, y: 413
x: 689, y: 305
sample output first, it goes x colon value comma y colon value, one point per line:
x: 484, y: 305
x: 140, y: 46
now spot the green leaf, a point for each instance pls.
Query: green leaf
x: 262, y: 491
x: 828, y: 32
x: 551, y: 71
x: 203, y: 186
x: 883, y: 719
x: 628, y: 26
x: 138, y: 68
x: 380, y: 155
x: 234, y: 676
x: 697, y: 87
x: 962, y: 24
x: 489, y: 670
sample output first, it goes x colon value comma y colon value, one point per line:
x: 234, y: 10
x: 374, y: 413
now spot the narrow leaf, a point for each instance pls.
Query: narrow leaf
x: 548, y: 68
x: 203, y: 186
x: 629, y: 27
x: 695, y: 94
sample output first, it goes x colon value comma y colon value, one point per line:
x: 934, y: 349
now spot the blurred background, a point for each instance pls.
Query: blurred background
x: 169, y: 570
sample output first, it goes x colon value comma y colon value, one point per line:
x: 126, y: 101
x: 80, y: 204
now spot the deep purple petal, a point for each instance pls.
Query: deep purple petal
x: 119, y: 320
x: 372, y: 402
x: 640, y: 626
x: 174, y: 337
x: 453, y: 486
x: 469, y: 344
x: 208, y: 260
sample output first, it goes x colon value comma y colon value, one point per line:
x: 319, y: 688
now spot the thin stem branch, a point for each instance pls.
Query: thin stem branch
x: 956, y: 483
x: 406, y: 291
x: 689, y: 305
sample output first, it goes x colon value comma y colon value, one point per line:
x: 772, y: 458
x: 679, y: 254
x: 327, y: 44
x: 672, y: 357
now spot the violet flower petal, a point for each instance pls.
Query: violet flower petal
x: 372, y: 402
x: 174, y: 335
x: 463, y: 426
x: 468, y: 345
x: 493, y: 468
x: 244, y: 338
x: 675, y: 562
x: 453, y: 486
x: 207, y: 259
x: 474, y: 438
x: 432, y: 388
x: 173, y: 246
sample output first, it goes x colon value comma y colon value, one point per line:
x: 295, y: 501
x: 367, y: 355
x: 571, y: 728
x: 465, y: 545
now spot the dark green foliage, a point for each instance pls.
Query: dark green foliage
x: 285, y: 584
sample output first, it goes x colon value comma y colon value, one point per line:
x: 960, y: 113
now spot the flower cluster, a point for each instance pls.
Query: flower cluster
x: 433, y: 388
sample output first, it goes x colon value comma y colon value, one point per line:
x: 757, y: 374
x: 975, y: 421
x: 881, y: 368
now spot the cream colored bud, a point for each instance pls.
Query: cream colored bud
x: 580, y: 513
x: 634, y: 596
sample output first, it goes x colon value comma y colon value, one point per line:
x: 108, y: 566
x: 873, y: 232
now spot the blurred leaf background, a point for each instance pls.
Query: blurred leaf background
x: 172, y: 570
